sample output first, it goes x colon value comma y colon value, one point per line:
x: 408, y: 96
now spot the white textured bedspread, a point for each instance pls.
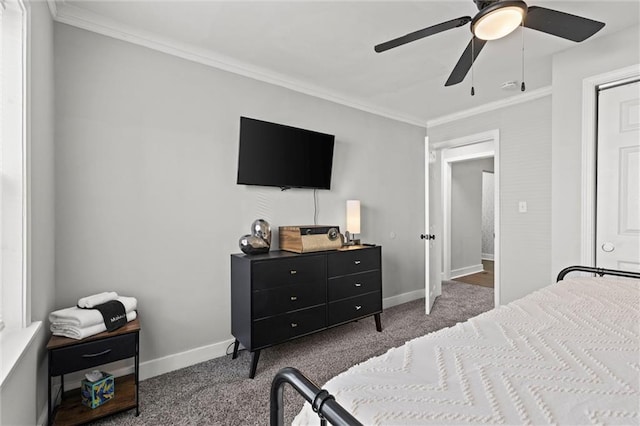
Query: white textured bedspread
x: 567, y: 354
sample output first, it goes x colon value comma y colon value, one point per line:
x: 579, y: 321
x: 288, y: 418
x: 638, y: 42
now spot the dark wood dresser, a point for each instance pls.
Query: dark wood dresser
x: 280, y: 296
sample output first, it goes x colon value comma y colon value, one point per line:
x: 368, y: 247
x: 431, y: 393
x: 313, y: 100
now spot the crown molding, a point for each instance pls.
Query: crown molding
x: 53, y: 8
x: 70, y: 14
x: 491, y: 106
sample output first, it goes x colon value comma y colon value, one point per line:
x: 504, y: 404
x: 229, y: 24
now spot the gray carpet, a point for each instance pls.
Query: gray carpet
x: 218, y: 392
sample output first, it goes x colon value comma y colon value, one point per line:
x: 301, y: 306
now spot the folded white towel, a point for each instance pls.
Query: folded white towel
x: 97, y: 299
x: 78, y: 333
x: 82, y: 318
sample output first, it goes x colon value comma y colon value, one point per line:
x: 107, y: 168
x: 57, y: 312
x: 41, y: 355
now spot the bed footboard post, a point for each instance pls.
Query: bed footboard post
x: 321, y: 401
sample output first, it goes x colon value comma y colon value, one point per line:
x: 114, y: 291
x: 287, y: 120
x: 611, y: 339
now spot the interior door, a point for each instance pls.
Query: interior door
x: 618, y: 178
x: 431, y: 264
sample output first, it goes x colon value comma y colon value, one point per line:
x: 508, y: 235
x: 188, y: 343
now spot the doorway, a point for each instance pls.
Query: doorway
x: 482, y: 145
x: 618, y: 177
x: 590, y: 90
x: 472, y: 222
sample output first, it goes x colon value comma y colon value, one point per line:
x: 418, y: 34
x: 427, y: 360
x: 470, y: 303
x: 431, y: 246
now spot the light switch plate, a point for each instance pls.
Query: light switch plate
x: 522, y: 206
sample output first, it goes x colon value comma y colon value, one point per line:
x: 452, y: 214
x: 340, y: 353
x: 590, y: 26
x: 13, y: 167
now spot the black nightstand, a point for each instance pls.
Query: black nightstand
x: 69, y: 355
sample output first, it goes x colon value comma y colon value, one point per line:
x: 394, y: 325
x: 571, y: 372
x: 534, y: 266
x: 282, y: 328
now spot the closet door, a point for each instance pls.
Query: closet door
x: 618, y: 178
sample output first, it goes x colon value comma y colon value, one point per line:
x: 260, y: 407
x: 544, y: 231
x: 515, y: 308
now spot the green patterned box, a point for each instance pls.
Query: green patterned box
x: 94, y: 394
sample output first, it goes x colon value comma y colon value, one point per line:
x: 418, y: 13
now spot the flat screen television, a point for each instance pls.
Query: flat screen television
x: 273, y: 154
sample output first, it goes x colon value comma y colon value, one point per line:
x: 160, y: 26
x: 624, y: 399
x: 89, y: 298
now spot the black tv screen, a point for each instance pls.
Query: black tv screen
x: 273, y: 154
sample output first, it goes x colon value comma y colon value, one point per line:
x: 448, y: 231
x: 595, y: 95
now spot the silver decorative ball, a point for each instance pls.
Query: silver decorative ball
x: 251, y: 244
x: 261, y: 228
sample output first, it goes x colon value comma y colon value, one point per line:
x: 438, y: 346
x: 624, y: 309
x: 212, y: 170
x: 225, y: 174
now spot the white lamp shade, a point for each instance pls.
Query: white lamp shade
x: 353, y: 216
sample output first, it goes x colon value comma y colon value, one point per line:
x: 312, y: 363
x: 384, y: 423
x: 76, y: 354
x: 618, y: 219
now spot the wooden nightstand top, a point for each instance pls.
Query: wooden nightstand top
x: 59, y: 341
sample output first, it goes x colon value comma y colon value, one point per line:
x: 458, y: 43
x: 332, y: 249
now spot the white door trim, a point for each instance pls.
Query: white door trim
x: 589, y: 136
x: 481, y: 145
x: 429, y: 290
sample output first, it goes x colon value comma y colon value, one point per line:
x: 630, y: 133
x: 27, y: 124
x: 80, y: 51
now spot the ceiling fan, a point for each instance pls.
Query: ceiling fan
x: 496, y: 19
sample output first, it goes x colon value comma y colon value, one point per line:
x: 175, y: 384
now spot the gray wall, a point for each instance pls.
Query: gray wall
x: 488, y: 215
x: 570, y: 68
x: 466, y: 212
x: 42, y: 184
x: 146, y: 199
x: 525, y: 175
x: 24, y: 394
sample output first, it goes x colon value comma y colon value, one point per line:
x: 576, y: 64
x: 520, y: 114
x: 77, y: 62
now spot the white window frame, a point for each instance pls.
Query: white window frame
x: 14, y: 277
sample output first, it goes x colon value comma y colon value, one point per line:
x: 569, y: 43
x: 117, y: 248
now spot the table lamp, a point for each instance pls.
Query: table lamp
x: 353, y: 222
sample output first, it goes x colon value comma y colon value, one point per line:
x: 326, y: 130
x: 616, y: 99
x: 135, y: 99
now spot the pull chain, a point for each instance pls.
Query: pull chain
x: 473, y: 90
x: 522, y: 86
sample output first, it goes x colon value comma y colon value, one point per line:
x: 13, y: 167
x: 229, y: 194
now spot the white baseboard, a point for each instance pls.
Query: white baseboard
x: 467, y: 270
x: 156, y: 367
x: 388, y: 302
x: 184, y: 359
x: 173, y: 362
x: 487, y: 256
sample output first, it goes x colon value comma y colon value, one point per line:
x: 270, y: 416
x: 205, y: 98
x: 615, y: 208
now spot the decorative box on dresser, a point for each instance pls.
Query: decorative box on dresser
x: 280, y: 295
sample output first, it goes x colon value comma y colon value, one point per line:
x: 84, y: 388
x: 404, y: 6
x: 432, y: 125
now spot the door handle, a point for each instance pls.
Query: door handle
x: 427, y: 237
x: 608, y: 247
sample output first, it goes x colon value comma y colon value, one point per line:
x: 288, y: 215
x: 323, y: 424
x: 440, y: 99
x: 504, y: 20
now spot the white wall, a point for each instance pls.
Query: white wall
x: 24, y: 394
x: 525, y: 175
x: 18, y: 392
x: 147, y: 203
x: 570, y: 68
x: 466, y: 213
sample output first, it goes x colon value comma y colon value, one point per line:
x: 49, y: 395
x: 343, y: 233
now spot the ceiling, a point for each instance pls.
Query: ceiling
x: 326, y: 48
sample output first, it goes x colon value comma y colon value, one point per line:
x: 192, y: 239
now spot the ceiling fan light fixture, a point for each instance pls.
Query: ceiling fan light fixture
x: 498, y: 20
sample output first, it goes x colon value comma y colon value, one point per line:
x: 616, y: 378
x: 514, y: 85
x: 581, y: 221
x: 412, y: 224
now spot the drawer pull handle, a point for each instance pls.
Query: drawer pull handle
x: 357, y: 262
x: 294, y: 325
x: 294, y: 298
x: 358, y: 284
x: 106, y: 351
x: 358, y: 307
x: 293, y: 272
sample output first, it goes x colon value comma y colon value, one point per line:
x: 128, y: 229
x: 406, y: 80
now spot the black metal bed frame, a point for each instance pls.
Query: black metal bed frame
x: 598, y: 271
x: 322, y: 402
x: 325, y: 405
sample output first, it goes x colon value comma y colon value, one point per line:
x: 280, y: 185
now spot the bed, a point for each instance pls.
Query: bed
x: 566, y: 354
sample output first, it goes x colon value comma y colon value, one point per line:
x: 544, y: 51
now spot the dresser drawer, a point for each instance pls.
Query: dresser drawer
x: 91, y: 354
x: 283, y: 327
x: 354, y: 285
x: 284, y: 299
x: 283, y: 272
x: 353, y: 261
x: 354, y: 307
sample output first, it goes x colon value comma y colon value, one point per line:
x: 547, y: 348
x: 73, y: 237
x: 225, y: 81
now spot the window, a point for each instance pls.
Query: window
x: 12, y: 164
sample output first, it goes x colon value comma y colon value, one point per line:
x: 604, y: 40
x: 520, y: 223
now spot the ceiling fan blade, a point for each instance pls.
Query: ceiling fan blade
x: 561, y: 24
x: 425, y: 32
x: 464, y: 63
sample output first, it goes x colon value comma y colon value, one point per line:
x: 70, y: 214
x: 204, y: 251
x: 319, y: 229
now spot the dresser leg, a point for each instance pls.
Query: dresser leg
x: 254, y: 363
x: 378, y: 323
x: 236, y: 344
